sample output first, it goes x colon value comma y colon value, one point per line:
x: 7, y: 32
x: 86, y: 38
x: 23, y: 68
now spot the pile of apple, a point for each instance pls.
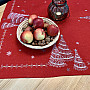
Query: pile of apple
x: 38, y: 32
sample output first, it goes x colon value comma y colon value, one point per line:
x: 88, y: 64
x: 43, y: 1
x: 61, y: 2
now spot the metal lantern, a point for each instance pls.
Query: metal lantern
x: 58, y: 10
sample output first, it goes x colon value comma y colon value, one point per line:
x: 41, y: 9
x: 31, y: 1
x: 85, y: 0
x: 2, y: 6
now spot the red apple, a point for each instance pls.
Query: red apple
x: 39, y: 34
x: 38, y: 23
x: 31, y: 18
x: 28, y: 28
x: 52, y: 30
x: 27, y: 36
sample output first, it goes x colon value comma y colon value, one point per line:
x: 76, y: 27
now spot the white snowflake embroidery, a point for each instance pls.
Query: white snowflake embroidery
x: 9, y: 53
x: 45, y: 2
x: 77, y: 3
x: 77, y: 42
x: 68, y: 69
x: 10, y: 34
x: 78, y: 20
x: 19, y: 49
x: 32, y: 57
x: 85, y: 10
x: 18, y: 6
x: 24, y: 1
x: 4, y: 19
x: 88, y: 62
x: 23, y: 11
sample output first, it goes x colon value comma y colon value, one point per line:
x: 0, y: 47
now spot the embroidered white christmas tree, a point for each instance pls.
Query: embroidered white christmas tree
x: 8, y: 25
x: 78, y: 62
x: 56, y: 60
x: 17, y: 17
x: 64, y: 50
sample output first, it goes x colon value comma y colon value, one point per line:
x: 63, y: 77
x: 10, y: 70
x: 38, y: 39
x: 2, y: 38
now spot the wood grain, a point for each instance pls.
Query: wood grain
x: 58, y: 83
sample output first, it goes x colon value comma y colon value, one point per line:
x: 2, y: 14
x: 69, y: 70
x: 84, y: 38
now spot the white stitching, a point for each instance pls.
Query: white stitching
x: 7, y: 25
x: 17, y: 17
x: 22, y: 66
x: 56, y: 60
x: 78, y: 63
x: 3, y: 36
x: 13, y: 5
x: 86, y: 17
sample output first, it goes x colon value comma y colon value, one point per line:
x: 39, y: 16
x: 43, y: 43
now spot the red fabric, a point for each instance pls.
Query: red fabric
x: 74, y: 29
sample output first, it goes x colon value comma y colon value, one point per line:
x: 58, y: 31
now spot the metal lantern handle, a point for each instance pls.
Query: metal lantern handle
x: 59, y: 4
x: 3, y: 2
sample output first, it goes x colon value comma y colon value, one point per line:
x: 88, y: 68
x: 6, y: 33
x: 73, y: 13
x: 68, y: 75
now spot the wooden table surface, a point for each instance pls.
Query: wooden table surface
x: 57, y: 83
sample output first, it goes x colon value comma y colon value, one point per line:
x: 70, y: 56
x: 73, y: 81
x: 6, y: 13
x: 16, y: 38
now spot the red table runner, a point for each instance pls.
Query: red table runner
x: 69, y: 56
